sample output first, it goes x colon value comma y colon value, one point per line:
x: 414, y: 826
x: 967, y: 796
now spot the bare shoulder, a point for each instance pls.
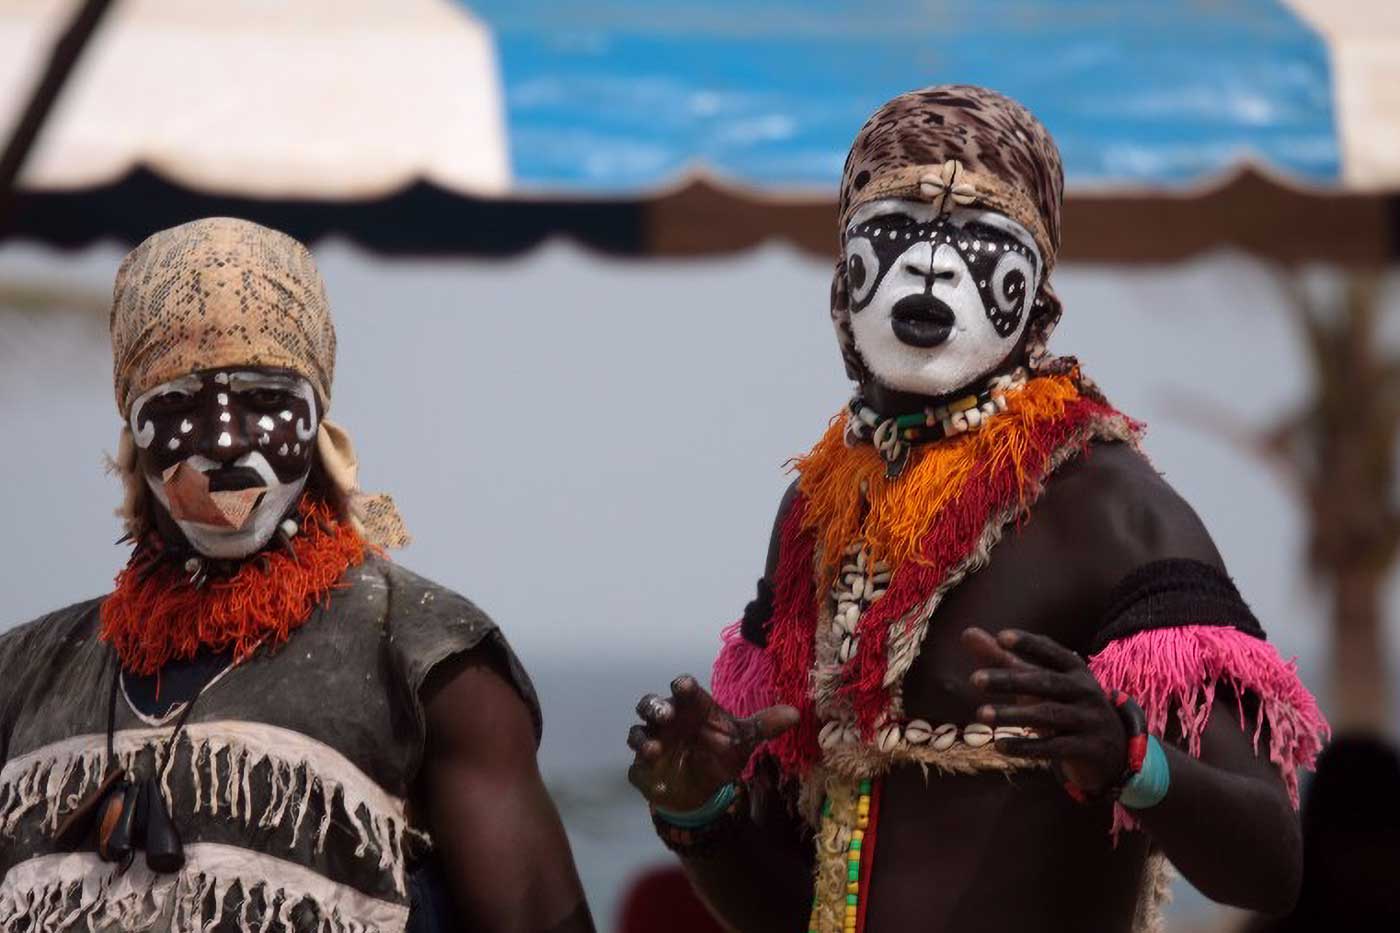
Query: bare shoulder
x: 1118, y: 510
x: 775, y: 538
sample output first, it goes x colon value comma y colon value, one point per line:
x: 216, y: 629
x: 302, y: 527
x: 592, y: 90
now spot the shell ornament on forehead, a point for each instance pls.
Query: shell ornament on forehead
x: 954, y: 148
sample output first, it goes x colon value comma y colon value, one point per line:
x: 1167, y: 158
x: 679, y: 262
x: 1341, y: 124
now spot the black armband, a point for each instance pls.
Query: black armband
x: 1172, y: 593
x: 757, y: 615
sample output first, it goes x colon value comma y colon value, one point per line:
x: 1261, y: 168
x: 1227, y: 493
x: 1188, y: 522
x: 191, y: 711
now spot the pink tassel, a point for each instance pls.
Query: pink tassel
x: 742, y: 679
x: 1182, y: 666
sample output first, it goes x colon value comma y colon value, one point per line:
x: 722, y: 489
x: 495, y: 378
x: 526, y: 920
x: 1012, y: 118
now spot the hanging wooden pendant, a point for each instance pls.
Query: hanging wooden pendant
x: 77, y: 824
x: 117, y: 821
x: 164, y: 852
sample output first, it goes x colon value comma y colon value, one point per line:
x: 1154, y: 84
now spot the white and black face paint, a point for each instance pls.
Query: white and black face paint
x: 937, y: 300
x: 241, y: 429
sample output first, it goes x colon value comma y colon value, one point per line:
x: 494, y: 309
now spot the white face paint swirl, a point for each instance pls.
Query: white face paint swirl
x: 143, y: 430
x: 937, y: 301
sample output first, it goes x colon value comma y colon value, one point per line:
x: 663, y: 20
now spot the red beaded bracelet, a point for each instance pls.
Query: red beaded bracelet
x: 1135, y: 725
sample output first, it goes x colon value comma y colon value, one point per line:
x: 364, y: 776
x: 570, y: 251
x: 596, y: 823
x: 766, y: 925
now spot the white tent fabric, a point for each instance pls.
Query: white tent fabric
x: 1363, y: 37
x: 317, y: 99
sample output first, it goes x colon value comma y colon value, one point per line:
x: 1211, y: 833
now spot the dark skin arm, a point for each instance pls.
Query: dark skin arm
x: 1226, y: 823
x: 503, y: 849
x: 686, y: 747
x: 1241, y: 796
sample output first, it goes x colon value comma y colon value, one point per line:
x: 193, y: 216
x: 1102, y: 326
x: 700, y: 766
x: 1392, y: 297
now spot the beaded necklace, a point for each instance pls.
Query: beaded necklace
x: 894, y: 435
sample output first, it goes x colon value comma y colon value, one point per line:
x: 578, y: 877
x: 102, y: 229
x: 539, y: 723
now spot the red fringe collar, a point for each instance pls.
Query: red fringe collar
x: 152, y: 619
x: 957, y: 532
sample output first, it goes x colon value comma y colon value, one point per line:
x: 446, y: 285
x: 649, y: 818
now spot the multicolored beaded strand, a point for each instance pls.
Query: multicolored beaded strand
x: 846, y: 817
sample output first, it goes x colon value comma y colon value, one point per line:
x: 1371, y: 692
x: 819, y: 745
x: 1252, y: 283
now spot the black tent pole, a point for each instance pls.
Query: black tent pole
x: 62, y: 59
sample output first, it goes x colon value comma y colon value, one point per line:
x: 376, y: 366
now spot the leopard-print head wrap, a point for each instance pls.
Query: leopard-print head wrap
x: 958, y: 145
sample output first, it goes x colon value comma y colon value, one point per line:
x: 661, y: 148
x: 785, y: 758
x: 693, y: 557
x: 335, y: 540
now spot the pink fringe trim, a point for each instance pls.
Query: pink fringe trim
x: 742, y: 681
x: 1181, y: 667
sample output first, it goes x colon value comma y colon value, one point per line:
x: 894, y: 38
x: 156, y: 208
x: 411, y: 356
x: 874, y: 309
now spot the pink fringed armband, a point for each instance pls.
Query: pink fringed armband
x: 1180, y: 668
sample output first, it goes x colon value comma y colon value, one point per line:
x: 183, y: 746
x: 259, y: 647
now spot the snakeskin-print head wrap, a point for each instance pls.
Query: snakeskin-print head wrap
x: 958, y: 145
x: 219, y: 293
x: 215, y: 293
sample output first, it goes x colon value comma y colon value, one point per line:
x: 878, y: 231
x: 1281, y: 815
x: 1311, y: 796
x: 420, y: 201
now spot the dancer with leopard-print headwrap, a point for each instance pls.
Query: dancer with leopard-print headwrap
x: 996, y: 676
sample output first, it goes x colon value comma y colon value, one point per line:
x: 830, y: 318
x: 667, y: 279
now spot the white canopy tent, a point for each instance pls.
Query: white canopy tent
x: 1363, y: 39
x: 317, y: 99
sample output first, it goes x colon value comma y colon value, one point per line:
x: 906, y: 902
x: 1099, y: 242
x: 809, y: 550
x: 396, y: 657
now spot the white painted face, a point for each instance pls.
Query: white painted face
x: 937, y: 301
x: 239, y: 430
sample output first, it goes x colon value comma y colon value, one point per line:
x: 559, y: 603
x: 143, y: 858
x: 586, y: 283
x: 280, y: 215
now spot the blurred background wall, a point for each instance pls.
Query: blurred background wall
x: 579, y: 267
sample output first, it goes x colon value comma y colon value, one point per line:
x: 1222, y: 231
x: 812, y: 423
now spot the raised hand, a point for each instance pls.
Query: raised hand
x: 688, y: 746
x: 1052, y: 691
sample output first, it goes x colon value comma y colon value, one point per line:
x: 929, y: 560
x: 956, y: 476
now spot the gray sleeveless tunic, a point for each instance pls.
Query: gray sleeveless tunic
x: 289, y: 783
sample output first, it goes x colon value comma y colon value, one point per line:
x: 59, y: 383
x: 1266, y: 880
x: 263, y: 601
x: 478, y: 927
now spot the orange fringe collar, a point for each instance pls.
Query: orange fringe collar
x: 850, y: 499
x: 163, y: 617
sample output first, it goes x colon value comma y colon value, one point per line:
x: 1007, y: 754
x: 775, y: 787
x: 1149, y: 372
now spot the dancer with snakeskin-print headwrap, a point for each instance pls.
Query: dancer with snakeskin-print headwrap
x: 268, y: 725
x: 996, y: 676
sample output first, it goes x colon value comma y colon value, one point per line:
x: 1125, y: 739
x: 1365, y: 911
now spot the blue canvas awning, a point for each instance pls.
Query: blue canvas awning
x: 629, y: 95
x: 679, y: 127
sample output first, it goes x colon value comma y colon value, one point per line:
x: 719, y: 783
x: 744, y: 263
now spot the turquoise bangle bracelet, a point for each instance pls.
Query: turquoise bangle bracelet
x: 1150, y: 785
x: 706, y: 813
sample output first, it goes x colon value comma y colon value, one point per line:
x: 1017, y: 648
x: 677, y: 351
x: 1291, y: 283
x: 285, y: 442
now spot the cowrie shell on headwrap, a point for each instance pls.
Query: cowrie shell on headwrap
x: 943, y: 188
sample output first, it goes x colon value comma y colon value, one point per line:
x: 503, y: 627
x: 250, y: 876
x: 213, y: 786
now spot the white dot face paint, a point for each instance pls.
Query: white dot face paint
x: 227, y: 425
x: 937, y: 314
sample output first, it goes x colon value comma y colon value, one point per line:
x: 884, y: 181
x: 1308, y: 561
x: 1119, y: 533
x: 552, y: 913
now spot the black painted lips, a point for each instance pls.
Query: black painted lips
x: 230, y: 479
x: 922, y: 320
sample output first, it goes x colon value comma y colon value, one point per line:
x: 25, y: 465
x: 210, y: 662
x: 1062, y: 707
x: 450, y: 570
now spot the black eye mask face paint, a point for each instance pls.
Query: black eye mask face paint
x: 993, y: 258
